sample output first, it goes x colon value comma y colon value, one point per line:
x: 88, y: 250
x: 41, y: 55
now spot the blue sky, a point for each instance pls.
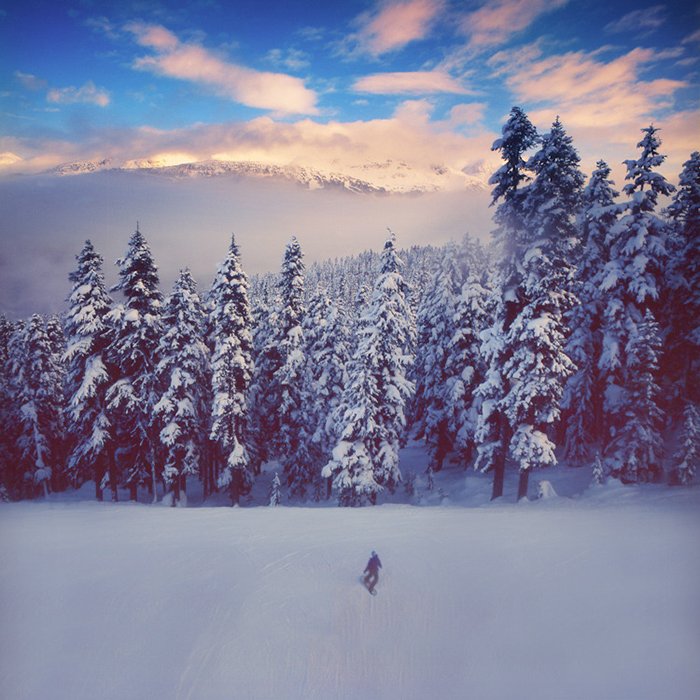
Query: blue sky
x: 322, y: 83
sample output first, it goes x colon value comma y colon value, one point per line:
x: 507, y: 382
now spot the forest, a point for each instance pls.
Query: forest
x: 573, y: 336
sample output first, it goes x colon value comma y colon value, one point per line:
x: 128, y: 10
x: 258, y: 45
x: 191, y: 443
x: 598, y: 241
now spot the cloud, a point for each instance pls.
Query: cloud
x: 495, y: 22
x: 87, y: 94
x: 603, y: 104
x: 692, y: 38
x: 189, y: 61
x: 392, y: 25
x: 7, y: 158
x: 29, y: 81
x: 361, y: 149
x: 646, y: 20
x: 409, y: 83
x: 292, y: 59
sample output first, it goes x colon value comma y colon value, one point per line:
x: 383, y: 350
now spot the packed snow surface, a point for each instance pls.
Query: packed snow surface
x: 593, y: 597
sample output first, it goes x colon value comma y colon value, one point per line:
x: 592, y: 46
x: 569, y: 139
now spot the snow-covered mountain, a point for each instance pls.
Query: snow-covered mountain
x: 374, y: 177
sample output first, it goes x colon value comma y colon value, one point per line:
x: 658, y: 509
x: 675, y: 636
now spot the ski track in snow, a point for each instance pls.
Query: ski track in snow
x: 555, y: 599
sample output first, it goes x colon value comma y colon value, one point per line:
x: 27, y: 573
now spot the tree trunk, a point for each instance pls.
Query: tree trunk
x: 499, y: 465
x: 522, y: 483
x: 133, y: 491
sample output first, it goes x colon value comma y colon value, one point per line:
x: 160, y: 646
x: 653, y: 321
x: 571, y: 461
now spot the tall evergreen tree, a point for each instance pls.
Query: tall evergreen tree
x: 232, y: 365
x: 434, y: 333
x: 40, y: 407
x: 135, y: 332
x: 582, y: 402
x: 182, y: 376
x: 8, y: 425
x: 371, y: 417
x: 88, y: 375
x: 633, y: 284
x: 493, y: 433
x: 326, y: 353
x: 464, y: 366
x: 293, y: 435
x: 682, y: 352
x: 538, y: 367
x: 635, y: 451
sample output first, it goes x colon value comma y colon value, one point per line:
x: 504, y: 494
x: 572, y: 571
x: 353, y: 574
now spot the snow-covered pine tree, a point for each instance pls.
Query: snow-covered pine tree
x: 232, y: 366
x: 582, y: 402
x: 293, y: 436
x: 682, y: 347
x: 634, y: 453
x: 687, y: 458
x: 464, y: 366
x: 493, y: 433
x: 598, y: 476
x: 371, y: 417
x: 434, y: 335
x: 262, y: 401
x: 135, y: 332
x: 88, y: 376
x: 181, y: 379
x: 8, y: 410
x: 40, y: 405
x: 633, y: 284
x: 275, y: 491
x: 538, y: 367
x: 326, y: 352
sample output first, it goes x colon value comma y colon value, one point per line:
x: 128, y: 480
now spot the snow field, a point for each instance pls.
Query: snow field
x: 555, y: 599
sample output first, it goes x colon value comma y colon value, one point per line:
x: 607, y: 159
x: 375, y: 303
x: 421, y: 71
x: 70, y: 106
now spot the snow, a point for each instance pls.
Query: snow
x: 589, y: 595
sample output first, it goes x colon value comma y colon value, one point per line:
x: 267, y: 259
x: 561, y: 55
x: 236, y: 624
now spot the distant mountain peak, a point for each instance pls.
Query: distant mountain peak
x: 372, y: 177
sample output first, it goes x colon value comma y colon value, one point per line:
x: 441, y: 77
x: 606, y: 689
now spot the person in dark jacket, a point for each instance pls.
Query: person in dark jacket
x: 372, y: 572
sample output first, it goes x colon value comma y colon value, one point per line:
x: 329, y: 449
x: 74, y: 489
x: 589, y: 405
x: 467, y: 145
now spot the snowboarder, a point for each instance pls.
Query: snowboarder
x: 372, y: 572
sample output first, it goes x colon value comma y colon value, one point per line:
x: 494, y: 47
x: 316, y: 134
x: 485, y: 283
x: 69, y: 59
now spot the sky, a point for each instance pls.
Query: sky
x: 353, y: 87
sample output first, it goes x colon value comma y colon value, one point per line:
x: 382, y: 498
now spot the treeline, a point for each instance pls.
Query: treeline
x: 575, y: 334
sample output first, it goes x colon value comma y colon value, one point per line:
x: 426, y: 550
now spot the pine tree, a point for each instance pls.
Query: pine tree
x: 538, y: 367
x: 275, y: 491
x: 326, y: 352
x: 682, y: 354
x: 88, y: 375
x: 435, y: 332
x: 598, y: 476
x: 262, y: 400
x: 633, y: 283
x: 232, y: 366
x: 135, y: 332
x: 371, y: 418
x: 40, y: 406
x: 687, y: 458
x: 493, y: 433
x: 293, y: 435
x: 181, y: 377
x: 8, y: 426
x: 635, y: 451
x: 582, y: 403
x: 464, y: 366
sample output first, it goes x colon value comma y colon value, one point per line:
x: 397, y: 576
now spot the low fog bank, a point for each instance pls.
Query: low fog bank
x: 188, y: 224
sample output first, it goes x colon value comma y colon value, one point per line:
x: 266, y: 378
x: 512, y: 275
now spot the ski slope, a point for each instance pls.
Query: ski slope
x: 591, y: 598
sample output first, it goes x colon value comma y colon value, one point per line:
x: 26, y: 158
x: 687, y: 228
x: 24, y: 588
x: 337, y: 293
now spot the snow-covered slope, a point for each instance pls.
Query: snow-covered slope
x: 372, y: 177
x: 594, y: 597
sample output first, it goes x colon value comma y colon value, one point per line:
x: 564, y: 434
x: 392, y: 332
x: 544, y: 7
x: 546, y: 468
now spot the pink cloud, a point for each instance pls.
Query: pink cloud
x: 188, y: 61
x: 392, y: 25
x: 409, y: 83
x: 87, y: 94
x: 495, y: 22
x: 603, y: 104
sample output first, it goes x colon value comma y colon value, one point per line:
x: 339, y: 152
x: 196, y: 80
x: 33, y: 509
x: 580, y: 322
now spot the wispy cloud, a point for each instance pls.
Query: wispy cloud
x: 392, y: 25
x: 29, y: 81
x: 291, y: 59
x: 87, y: 94
x: 496, y: 21
x: 638, y: 21
x: 409, y: 83
x: 602, y: 103
x: 192, y: 62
